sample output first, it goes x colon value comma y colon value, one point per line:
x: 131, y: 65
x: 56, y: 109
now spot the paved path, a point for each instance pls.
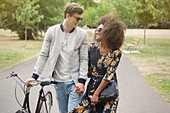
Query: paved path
x: 150, y: 33
x: 135, y: 95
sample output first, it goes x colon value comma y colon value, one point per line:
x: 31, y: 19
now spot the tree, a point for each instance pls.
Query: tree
x: 9, y: 8
x: 85, y: 3
x: 127, y: 10
x: 51, y: 9
x: 94, y: 13
x: 2, y: 12
x: 145, y: 15
x: 161, y: 12
x: 28, y: 15
x: 8, y: 22
x: 160, y: 8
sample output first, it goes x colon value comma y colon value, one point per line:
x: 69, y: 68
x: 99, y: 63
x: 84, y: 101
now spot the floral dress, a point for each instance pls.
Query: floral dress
x: 99, y: 68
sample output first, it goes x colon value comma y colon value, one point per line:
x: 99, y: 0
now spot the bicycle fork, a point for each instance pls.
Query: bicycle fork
x: 25, y: 108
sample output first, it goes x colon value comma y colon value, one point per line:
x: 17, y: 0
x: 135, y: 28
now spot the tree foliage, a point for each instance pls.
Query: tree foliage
x: 161, y: 12
x: 27, y: 14
x: 85, y: 3
x: 93, y: 14
x: 8, y: 22
x: 145, y: 14
x: 160, y: 8
x: 128, y: 11
x: 2, y: 12
x: 53, y: 11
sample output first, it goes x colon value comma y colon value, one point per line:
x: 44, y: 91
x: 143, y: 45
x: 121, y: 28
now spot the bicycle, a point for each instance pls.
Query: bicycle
x: 45, y: 100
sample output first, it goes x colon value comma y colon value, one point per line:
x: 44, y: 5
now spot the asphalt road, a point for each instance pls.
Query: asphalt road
x: 135, y: 95
x: 150, y: 33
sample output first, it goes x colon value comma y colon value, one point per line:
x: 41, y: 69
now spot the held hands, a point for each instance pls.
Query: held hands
x: 30, y: 80
x: 79, y: 88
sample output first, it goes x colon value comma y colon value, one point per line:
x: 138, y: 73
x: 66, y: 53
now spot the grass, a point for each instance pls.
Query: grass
x: 161, y: 82
x: 153, y: 47
x: 155, y: 56
x: 13, y: 51
x: 153, y: 61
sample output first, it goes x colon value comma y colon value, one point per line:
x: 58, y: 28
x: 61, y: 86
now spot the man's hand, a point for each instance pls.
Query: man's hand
x: 30, y: 80
x: 79, y: 88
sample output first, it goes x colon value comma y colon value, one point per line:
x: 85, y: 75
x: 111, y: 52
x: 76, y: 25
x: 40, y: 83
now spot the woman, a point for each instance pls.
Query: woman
x: 104, y: 57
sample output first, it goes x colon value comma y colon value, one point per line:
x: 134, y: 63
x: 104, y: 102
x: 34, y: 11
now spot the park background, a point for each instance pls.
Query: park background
x: 23, y: 24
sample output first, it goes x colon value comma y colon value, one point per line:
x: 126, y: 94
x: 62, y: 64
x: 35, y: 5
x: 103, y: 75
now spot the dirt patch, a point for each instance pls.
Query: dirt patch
x: 152, y: 65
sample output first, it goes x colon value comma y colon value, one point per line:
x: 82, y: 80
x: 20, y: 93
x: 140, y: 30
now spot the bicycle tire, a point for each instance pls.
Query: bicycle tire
x: 46, y: 103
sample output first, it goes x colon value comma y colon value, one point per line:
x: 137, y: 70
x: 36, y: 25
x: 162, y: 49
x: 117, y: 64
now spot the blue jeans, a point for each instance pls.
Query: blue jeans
x: 67, y: 99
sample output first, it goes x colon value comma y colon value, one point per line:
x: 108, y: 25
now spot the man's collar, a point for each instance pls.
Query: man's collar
x: 61, y: 26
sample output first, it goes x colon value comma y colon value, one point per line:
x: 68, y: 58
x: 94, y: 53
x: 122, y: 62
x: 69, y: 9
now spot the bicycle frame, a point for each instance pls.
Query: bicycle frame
x: 42, y: 96
x: 39, y: 103
x: 26, y: 103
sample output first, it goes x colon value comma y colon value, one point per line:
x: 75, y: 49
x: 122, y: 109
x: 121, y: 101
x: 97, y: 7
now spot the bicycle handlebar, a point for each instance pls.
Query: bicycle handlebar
x: 42, y: 81
x: 13, y: 74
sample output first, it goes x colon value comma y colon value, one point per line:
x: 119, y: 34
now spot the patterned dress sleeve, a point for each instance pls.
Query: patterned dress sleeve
x: 89, y: 63
x: 111, y: 64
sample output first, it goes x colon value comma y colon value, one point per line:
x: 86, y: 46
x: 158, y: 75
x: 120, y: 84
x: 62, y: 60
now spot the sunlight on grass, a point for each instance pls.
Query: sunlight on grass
x: 156, y: 54
x: 153, y: 47
x: 13, y: 51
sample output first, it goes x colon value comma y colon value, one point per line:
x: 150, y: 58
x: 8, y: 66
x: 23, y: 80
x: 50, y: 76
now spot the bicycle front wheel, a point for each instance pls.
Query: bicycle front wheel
x: 46, y: 101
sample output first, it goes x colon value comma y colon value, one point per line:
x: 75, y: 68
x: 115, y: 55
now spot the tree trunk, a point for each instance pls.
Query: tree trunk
x: 26, y: 33
x: 144, y: 33
x: 37, y: 30
x: 21, y: 35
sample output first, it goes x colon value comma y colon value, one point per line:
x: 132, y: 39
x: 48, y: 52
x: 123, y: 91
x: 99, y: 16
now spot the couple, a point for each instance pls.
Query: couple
x: 70, y: 59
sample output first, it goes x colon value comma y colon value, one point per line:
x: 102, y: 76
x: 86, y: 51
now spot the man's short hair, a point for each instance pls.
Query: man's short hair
x: 72, y: 8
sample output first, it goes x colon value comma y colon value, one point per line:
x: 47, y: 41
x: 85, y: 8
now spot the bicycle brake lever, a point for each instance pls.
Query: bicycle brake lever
x: 8, y: 77
x: 13, y: 74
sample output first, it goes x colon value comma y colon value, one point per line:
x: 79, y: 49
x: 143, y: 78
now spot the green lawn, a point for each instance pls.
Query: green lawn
x: 13, y: 51
x: 153, y: 63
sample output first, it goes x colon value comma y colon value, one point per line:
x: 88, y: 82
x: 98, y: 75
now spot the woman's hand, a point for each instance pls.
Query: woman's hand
x: 94, y: 99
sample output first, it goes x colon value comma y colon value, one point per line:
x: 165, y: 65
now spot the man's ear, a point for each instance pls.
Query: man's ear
x: 67, y: 15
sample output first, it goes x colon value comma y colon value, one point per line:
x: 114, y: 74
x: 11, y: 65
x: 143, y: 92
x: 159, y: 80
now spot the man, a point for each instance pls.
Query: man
x: 66, y: 48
